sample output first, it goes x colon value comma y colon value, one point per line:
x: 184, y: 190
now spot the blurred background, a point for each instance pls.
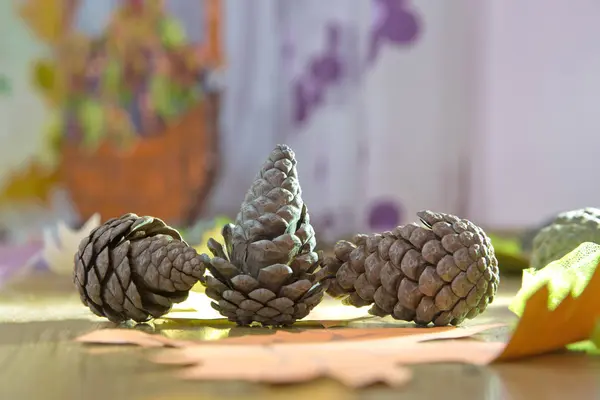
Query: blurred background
x: 488, y: 110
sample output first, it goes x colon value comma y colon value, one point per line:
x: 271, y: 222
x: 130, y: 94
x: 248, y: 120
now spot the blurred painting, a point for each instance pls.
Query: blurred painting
x: 126, y: 118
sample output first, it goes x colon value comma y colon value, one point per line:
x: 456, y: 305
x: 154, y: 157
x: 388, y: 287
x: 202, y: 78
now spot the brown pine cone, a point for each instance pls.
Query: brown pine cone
x: 441, y: 273
x: 265, y: 272
x: 135, y: 268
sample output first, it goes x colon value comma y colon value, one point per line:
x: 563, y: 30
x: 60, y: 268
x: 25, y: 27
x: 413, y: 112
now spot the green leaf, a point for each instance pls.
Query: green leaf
x: 591, y: 346
x: 162, y: 97
x: 172, y: 33
x: 570, y: 274
x: 111, y: 79
x: 596, y: 336
x: 586, y: 346
x: 91, y: 114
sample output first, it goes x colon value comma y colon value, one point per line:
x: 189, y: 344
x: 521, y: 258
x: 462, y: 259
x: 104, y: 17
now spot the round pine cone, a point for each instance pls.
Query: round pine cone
x: 564, y: 234
x: 135, y: 268
x: 265, y: 271
x: 441, y: 273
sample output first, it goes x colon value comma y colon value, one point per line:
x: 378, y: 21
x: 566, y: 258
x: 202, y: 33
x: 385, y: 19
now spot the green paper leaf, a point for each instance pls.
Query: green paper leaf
x: 591, y: 346
x: 587, y: 346
x: 172, y: 33
x: 570, y: 274
x: 596, y: 336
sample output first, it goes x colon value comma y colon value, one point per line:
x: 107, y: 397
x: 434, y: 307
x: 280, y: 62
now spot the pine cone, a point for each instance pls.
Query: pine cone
x: 441, y: 273
x: 265, y: 272
x: 135, y: 268
x: 564, y: 234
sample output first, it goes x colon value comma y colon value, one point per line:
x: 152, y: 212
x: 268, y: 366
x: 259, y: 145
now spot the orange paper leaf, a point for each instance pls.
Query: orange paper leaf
x: 355, y: 363
x: 359, y: 357
x: 355, y: 357
x: 326, y: 336
x: 541, y: 330
x: 128, y: 336
x: 276, y: 365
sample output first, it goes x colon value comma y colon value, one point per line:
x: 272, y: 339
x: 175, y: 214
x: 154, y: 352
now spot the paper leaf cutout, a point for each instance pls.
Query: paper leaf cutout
x: 355, y: 363
x: 586, y: 346
x: 359, y: 357
x: 570, y: 274
x: 129, y: 337
x: 595, y: 338
x: 355, y: 357
x: 544, y: 329
x: 280, y: 365
x: 329, y: 335
x: 136, y: 337
x: 58, y: 251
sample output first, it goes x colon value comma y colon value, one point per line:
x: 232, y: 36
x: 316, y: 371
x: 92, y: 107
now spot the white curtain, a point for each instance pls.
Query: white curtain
x: 382, y: 137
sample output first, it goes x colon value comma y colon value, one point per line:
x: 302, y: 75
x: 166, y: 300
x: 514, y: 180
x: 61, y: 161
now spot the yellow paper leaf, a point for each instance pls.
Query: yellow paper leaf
x: 355, y: 357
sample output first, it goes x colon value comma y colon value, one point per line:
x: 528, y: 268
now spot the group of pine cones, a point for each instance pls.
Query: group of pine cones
x: 266, y: 269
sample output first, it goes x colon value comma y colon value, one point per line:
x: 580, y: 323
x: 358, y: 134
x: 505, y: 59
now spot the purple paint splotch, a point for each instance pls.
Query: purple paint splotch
x: 323, y: 70
x: 393, y: 23
x: 327, y: 68
x: 384, y: 215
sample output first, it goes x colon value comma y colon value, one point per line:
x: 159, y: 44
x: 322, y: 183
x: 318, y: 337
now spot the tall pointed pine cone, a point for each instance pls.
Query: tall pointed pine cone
x: 440, y: 273
x: 265, y: 271
x: 135, y: 268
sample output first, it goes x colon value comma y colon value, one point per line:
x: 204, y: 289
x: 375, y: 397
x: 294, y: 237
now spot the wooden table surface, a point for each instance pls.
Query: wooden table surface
x: 39, y: 360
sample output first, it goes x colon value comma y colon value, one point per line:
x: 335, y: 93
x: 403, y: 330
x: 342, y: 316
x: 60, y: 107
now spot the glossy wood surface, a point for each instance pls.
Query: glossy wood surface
x: 38, y: 360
